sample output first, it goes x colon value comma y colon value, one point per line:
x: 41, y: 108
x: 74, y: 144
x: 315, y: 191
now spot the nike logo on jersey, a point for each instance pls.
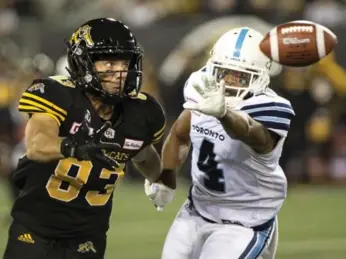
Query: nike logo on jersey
x: 208, y: 132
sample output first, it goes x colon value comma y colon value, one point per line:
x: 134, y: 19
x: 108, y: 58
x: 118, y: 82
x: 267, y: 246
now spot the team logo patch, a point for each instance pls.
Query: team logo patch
x: 82, y: 34
x: 26, y: 238
x: 109, y: 133
x: 133, y: 144
x: 37, y: 87
x: 86, y: 248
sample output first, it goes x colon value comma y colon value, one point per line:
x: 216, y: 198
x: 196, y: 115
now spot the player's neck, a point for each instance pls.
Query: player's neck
x: 103, y: 110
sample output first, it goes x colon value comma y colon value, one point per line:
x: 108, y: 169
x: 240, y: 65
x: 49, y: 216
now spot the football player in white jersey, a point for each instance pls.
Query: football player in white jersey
x: 236, y: 126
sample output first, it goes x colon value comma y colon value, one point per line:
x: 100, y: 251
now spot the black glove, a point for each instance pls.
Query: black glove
x: 85, y: 147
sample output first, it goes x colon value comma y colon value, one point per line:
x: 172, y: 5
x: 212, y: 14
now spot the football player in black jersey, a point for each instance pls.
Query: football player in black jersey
x: 81, y: 132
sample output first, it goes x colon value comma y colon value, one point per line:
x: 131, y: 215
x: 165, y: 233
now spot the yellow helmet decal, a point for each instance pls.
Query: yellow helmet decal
x: 82, y: 34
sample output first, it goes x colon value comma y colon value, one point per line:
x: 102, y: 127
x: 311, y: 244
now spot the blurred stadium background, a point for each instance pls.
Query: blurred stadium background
x: 177, y: 36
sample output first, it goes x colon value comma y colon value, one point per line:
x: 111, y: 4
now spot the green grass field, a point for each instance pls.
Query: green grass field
x: 312, y: 223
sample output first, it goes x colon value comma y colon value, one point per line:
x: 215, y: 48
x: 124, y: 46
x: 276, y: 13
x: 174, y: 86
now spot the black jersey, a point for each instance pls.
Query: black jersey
x: 70, y: 198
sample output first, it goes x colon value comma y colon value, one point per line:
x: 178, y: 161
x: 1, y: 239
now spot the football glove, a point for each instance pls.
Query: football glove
x: 85, y: 147
x: 212, y: 100
x: 158, y: 193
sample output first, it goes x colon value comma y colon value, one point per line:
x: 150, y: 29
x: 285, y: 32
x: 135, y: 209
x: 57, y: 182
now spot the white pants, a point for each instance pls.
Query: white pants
x: 191, y: 237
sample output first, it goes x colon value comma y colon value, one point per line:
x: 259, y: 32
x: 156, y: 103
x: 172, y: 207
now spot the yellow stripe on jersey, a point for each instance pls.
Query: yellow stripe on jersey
x: 28, y: 108
x: 54, y: 117
x: 44, y: 101
x: 45, y: 108
x: 158, y: 138
x: 31, y: 109
x: 155, y: 142
x: 160, y: 131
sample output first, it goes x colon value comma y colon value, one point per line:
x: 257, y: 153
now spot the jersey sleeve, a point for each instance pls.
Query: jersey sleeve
x: 48, y: 97
x: 275, y: 115
x: 157, y: 120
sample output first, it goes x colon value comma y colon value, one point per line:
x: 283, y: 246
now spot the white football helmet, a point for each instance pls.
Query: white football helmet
x: 237, y: 52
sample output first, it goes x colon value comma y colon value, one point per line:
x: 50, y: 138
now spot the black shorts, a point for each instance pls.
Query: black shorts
x: 25, y: 244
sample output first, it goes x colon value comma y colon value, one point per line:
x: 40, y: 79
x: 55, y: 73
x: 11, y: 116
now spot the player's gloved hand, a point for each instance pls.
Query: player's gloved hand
x: 159, y: 194
x: 212, y: 100
x: 85, y: 147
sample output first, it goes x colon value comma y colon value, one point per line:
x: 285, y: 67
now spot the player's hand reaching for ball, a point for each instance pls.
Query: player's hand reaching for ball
x: 212, y: 100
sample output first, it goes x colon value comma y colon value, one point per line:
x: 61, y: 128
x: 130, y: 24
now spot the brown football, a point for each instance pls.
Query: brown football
x: 298, y: 43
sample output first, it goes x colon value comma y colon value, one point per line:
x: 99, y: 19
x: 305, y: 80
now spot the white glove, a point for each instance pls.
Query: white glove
x: 213, y: 101
x: 159, y: 194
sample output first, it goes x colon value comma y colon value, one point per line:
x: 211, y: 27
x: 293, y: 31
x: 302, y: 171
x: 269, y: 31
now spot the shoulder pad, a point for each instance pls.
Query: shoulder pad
x: 140, y: 96
x: 63, y: 80
x: 267, y: 97
x: 274, y: 112
x: 47, y: 96
x: 156, y: 116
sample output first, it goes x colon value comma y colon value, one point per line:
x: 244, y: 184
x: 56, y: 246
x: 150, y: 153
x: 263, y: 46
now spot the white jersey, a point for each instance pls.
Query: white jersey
x: 230, y: 180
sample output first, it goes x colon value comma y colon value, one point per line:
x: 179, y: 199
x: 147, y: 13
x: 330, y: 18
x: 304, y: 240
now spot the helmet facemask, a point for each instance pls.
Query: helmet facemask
x: 239, y: 80
x: 91, y: 80
x: 127, y: 78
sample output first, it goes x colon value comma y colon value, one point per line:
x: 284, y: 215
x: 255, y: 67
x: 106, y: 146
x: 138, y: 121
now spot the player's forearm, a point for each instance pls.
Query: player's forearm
x: 242, y: 127
x: 236, y: 124
x: 150, y: 167
x: 174, y: 152
x: 176, y: 148
x: 44, y: 148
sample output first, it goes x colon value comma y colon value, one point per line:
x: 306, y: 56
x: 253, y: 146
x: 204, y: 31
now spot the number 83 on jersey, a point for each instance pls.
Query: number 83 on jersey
x: 70, y: 175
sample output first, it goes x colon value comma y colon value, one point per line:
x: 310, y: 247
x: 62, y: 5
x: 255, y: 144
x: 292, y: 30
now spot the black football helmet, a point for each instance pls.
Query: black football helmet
x: 100, y: 39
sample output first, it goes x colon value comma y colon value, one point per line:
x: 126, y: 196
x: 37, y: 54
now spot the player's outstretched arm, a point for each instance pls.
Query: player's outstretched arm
x: 239, y: 125
x: 42, y: 138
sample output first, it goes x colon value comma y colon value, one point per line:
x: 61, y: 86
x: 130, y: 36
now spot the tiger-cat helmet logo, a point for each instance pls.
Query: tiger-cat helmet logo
x: 82, y: 34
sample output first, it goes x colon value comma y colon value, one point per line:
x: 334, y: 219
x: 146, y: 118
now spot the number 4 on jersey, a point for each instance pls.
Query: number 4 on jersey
x: 214, y: 179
